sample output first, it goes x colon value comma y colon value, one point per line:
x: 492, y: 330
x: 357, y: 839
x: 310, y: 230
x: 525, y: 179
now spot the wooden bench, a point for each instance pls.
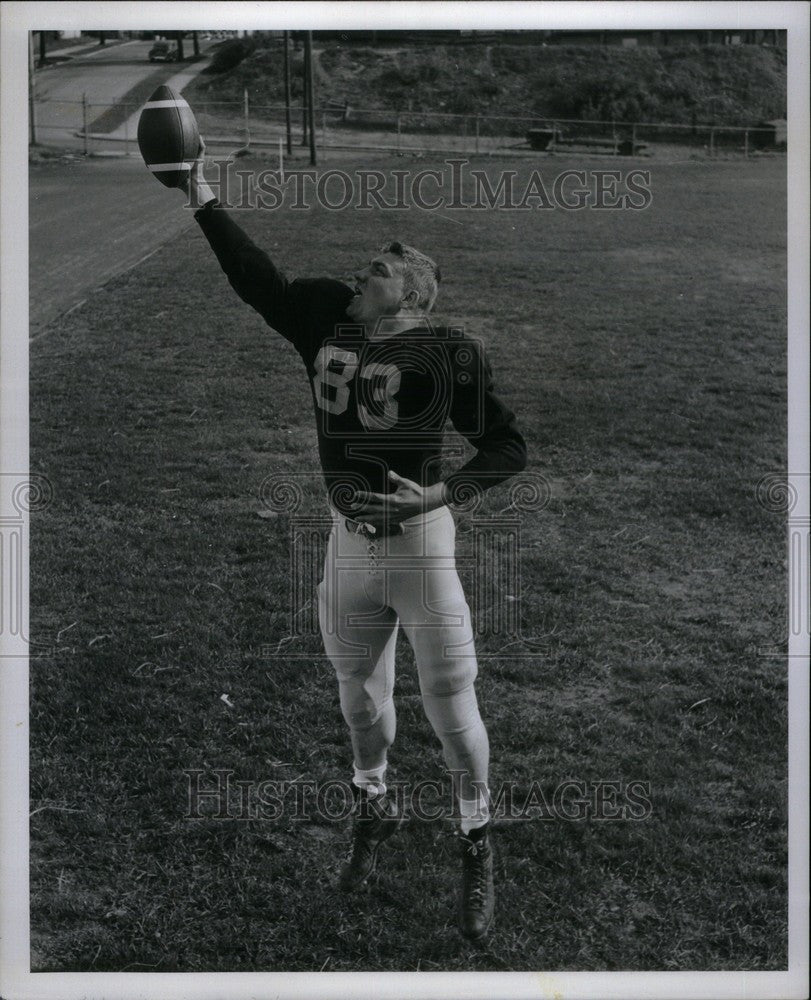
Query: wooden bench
x: 542, y: 138
x: 337, y: 107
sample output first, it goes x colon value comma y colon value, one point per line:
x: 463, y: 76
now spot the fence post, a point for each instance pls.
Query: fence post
x: 477, y: 133
x: 247, y: 129
x: 746, y: 143
x: 308, y: 48
x: 84, y: 121
x: 305, y: 96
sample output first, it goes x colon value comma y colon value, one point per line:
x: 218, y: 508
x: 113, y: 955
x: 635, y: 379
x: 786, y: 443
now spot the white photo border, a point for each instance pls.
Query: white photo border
x: 16, y: 19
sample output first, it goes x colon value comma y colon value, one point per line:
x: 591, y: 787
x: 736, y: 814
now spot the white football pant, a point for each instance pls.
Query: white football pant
x: 369, y: 588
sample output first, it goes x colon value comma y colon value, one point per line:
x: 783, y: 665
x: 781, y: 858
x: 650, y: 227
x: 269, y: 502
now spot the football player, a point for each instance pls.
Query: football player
x: 384, y: 382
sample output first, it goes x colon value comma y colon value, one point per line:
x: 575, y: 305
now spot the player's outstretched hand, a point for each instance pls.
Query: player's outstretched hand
x: 195, y: 175
x: 195, y: 185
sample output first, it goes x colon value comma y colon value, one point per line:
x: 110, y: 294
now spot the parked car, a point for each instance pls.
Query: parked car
x: 162, y: 52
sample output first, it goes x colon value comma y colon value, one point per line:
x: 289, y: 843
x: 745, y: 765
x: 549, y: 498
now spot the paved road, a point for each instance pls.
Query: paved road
x: 88, y: 221
x: 104, y: 75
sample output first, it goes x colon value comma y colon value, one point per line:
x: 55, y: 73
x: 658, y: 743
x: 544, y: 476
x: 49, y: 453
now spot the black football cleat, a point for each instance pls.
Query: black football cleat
x: 375, y: 821
x: 477, y: 902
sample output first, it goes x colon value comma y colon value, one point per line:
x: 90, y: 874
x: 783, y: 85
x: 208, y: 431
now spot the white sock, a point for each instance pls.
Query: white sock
x: 373, y: 780
x: 474, y: 812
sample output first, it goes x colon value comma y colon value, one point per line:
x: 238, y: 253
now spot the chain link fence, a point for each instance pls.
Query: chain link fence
x: 338, y: 126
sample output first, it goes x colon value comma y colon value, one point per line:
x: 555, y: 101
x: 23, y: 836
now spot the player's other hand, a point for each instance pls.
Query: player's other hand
x: 408, y: 499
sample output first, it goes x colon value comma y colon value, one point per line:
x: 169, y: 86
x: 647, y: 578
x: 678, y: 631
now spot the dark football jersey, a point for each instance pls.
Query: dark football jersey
x: 380, y: 404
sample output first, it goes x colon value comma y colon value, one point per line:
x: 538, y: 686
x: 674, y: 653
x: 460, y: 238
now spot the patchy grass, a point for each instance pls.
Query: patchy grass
x: 38, y: 154
x: 645, y: 355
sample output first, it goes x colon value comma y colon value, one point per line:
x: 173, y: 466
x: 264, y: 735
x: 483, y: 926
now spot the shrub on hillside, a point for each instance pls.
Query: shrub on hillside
x: 230, y: 54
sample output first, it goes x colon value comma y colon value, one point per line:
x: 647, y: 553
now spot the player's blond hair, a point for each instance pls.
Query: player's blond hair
x: 420, y: 273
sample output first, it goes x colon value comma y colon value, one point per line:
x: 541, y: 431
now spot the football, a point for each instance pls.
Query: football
x: 168, y: 136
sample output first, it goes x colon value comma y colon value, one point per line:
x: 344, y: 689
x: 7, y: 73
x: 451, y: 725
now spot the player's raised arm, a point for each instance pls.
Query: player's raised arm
x: 250, y: 271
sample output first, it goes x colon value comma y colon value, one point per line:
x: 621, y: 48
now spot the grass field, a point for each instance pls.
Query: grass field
x: 644, y: 353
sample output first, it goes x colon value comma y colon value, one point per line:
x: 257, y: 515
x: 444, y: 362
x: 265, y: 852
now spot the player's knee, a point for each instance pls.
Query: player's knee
x: 352, y: 672
x: 455, y: 717
x: 361, y: 714
x: 450, y: 676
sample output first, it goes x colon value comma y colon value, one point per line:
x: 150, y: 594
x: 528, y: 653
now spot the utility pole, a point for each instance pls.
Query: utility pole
x: 84, y: 121
x: 287, y: 92
x: 31, y: 95
x: 311, y: 93
x: 305, y: 81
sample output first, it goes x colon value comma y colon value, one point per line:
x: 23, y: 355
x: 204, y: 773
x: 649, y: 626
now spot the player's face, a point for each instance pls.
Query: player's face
x: 378, y: 289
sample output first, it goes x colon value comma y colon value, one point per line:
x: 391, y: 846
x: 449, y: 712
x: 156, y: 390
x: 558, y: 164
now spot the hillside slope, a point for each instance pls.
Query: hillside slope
x: 727, y: 84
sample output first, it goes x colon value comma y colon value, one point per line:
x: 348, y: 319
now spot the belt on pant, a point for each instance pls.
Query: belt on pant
x: 371, y: 531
